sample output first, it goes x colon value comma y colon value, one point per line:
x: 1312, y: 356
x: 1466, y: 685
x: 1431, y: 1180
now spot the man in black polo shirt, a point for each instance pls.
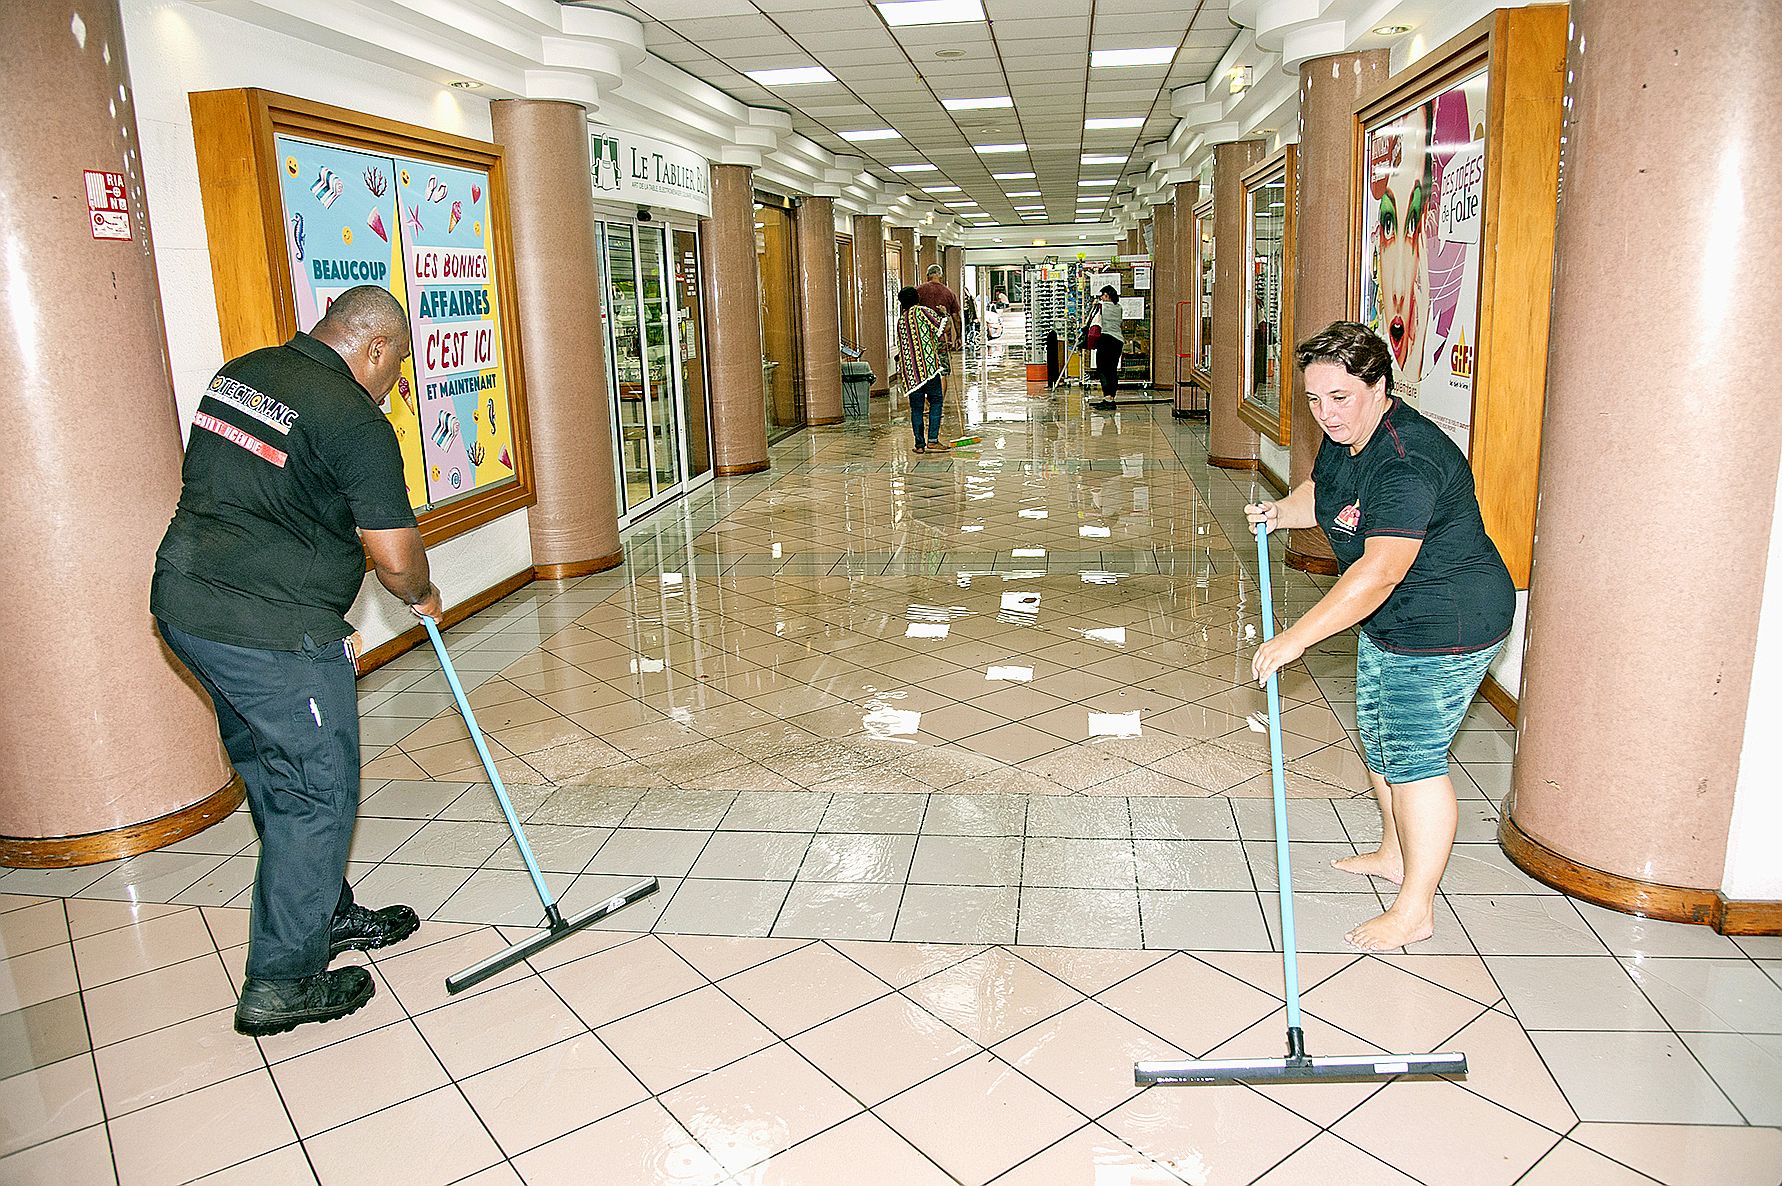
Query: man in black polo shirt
x: 292, y: 477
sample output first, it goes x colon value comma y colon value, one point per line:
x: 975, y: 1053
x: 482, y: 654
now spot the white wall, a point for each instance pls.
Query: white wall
x: 1275, y: 459
x: 1753, y: 872
x: 175, y: 48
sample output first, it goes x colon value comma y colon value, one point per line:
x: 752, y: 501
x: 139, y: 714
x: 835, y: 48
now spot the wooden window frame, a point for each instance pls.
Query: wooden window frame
x: 1277, y: 168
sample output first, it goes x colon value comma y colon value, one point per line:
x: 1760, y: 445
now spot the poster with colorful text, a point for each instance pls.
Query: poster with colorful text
x: 1423, y: 219
x: 420, y: 230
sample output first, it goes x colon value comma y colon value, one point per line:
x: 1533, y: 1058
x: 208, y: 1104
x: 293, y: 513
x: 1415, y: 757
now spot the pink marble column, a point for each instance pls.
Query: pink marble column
x: 869, y: 266
x: 1660, y: 448
x: 908, y: 273
x: 1231, y: 443
x: 928, y: 249
x: 1330, y: 90
x: 107, y: 747
x: 1163, y: 297
x: 733, y: 324
x: 550, y: 203
x: 821, y: 318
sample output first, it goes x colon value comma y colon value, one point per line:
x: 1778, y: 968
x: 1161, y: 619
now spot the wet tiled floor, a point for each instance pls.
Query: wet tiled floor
x: 925, y: 895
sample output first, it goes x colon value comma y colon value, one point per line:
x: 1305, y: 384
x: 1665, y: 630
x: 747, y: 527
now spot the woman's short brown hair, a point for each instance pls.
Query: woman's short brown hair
x: 1350, y: 345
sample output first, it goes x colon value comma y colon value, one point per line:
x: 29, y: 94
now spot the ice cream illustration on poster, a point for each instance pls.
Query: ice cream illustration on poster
x: 1423, y: 218
x: 455, y: 317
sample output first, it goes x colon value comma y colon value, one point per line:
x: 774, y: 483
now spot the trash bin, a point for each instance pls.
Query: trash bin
x: 857, y: 380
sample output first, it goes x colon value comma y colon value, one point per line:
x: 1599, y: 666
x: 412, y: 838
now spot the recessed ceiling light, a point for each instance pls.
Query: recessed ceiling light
x: 988, y: 149
x: 965, y: 203
x: 914, y: 168
x: 1096, y: 182
x: 465, y: 84
x: 1124, y: 121
x: 1011, y: 176
x: 792, y: 76
x: 1093, y: 158
x: 1024, y: 193
x: 1030, y: 207
x: 940, y: 189
x: 930, y: 12
x: 977, y: 104
x: 1161, y: 56
x: 871, y: 134
x: 1392, y: 30
x: 1088, y: 220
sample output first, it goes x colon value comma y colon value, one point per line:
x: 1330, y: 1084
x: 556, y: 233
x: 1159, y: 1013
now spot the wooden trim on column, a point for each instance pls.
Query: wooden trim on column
x: 61, y: 852
x: 409, y: 639
x: 577, y: 568
x: 733, y: 471
x: 1499, y: 699
x: 826, y: 422
x: 1324, y: 566
x: 1647, y: 899
x: 1234, y: 462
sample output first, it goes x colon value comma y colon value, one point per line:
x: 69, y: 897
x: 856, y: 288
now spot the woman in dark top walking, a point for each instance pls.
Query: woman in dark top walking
x: 1429, y: 590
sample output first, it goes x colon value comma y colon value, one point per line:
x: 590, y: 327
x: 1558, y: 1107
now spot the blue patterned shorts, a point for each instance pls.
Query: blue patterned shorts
x: 1408, y: 707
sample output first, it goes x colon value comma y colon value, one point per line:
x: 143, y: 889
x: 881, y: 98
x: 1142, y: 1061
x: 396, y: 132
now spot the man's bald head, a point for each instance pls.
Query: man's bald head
x: 368, y: 328
x: 934, y: 270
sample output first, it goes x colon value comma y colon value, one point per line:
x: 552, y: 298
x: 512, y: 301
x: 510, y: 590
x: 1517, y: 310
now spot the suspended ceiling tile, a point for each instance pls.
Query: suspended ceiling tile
x: 1041, y: 28
x: 674, y: 10
x: 818, y: 41
x: 707, y: 27
x: 1210, y: 38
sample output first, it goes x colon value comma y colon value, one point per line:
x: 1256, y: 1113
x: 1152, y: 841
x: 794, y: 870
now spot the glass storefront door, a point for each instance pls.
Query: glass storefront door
x: 655, y: 364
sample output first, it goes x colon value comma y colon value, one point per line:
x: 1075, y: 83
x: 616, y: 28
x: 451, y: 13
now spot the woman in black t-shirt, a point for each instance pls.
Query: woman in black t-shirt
x: 1428, y: 589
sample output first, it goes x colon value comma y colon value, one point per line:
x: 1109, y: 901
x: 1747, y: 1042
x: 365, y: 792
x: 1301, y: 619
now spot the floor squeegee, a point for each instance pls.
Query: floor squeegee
x: 1297, y: 1066
x: 556, y: 926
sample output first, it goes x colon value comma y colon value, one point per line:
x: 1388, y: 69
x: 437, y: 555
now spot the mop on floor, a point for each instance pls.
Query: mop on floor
x: 1297, y: 1066
x: 556, y: 926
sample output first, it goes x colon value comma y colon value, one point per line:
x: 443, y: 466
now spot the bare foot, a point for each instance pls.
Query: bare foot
x: 1391, y: 930
x: 1374, y: 864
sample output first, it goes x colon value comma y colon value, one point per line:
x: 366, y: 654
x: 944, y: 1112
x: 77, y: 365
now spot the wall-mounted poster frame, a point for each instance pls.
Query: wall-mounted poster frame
x: 1494, y: 185
x: 1201, y: 278
x: 460, y: 408
x: 1270, y: 232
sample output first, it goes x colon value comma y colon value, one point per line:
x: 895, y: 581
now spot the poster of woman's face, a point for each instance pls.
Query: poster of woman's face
x: 1421, y: 226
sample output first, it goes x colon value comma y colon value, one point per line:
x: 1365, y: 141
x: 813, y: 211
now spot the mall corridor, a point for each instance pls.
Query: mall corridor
x: 932, y: 952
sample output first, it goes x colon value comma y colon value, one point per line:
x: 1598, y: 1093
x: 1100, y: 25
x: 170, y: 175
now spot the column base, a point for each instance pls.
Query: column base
x: 735, y: 471
x: 577, y: 568
x: 1646, y: 899
x: 1311, y: 562
x: 1498, y: 698
x: 61, y: 852
x: 1234, y: 462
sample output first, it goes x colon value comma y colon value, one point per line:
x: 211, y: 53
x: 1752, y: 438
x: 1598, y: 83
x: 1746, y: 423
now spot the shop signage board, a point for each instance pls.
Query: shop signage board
x: 643, y: 171
x: 421, y: 229
x: 1422, y: 227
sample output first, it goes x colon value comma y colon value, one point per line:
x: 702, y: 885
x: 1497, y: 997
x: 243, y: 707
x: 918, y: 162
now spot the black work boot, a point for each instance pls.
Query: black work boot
x: 357, y: 928
x: 274, y: 1006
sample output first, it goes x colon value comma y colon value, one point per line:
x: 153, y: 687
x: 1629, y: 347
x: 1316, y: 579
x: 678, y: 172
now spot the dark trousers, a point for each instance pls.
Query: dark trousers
x: 1107, y: 364
x: 929, y: 392
x: 290, y: 721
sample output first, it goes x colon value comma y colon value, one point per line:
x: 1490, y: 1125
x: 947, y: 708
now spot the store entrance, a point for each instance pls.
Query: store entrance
x: 655, y: 362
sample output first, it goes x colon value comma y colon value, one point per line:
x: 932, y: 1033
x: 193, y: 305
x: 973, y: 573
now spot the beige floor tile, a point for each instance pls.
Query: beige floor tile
x: 48, y: 1102
x: 204, y: 1130
x: 474, y: 1033
x: 1390, y: 1008
x: 978, y: 1119
x: 861, y: 1151
x: 90, y: 916
x: 179, y: 992
x: 79, y: 1159
x: 908, y: 1044
x: 1084, y: 1056
x: 1440, y: 1133
x: 902, y: 964
x: 330, y: 1086
x: 1638, y: 1078
x: 579, y: 1080
x: 679, y: 1040
x: 754, y: 1108
x: 153, y: 943
x: 1689, y: 1155
x: 1209, y: 1133
x: 807, y: 987
x: 622, y: 980
x: 165, y: 1063
x: 1568, y: 1164
x: 417, y: 977
x: 1158, y: 999
x: 37, y: 976
x: 442, y: 1142
x: 1089, y: 1156
x: 33, y: 928
x: 718, y: 956
x: 641, y: 1146
x: 992, y: 996
x: 1327, y: 1158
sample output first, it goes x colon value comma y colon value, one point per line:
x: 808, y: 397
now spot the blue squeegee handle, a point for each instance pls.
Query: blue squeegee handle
x: 1277, y: 771
x: 482, y: 751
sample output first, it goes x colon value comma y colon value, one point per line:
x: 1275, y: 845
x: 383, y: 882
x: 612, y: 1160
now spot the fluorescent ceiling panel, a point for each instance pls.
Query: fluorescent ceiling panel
x: 1091, y: 182
x: 940, y: 189
x: 872, y: 134
x: 931, y: 12
x: 1159, y: 56
x: 987, y: 101
x: 1124, y: 121
x: 1011, y: 176
x: 792, y: 76
x: 1096, y: 158
x: 914, y: 168
x: 989, y: 149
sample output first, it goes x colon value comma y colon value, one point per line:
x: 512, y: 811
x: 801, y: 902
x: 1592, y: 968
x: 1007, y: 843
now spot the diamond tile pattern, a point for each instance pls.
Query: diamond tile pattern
x: 881, y: 956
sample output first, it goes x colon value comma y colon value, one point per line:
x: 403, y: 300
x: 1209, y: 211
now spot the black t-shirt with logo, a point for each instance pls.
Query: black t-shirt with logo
x: 1411, y: 480
x: 288, y: 457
